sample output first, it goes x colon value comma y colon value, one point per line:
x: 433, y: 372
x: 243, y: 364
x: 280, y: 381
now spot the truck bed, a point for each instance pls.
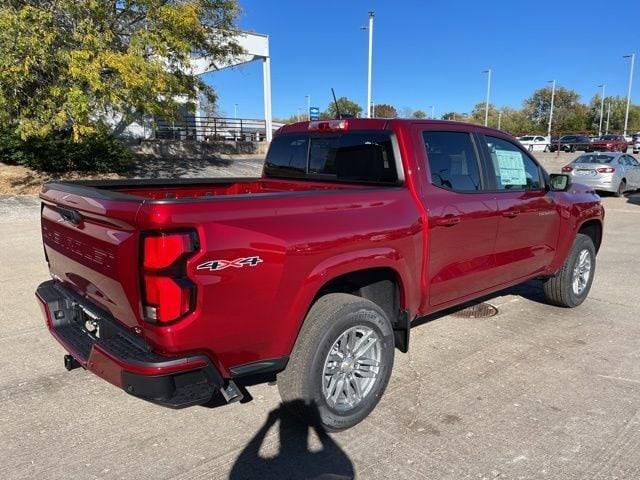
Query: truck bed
x: 202, y: 188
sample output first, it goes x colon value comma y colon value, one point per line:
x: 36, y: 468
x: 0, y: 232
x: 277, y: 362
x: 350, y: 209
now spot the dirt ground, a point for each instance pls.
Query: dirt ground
x: 18, y: 180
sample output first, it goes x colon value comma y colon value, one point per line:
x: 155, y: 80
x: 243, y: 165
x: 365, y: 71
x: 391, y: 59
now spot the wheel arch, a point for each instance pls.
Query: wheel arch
x: 593, y: 229
x: 380, y: 275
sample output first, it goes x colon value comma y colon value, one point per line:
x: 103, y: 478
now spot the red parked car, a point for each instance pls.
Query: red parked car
x: 610, y: 143
x: 179, y: 290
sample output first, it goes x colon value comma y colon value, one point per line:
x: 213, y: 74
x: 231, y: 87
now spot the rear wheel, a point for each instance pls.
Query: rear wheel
x: 622, y: 187
x: 570, y: 286
x: 341, y: 363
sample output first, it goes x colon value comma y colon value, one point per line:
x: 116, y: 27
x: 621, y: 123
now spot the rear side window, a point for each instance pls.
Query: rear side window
x: 514, y: 170
x: 453, y: 163
x: 593, y: 158
x: 350, y: 157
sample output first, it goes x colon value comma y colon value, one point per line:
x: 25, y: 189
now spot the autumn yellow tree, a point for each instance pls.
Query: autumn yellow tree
x: 71, y: 65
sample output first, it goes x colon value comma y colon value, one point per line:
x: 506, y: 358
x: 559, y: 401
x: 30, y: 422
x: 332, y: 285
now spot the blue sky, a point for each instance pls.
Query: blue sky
x: 432, y: 52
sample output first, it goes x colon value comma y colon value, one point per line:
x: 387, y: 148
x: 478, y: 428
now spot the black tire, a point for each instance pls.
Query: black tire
x: 572, y: 149
x: 622, y: 187
x: 302, y: 382
x: 558, y: 290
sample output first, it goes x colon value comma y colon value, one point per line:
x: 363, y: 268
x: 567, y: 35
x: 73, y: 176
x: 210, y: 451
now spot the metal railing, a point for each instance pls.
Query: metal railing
x: 210, y: 129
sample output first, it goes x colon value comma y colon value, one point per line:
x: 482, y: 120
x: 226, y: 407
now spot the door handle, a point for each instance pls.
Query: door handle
x: 448, y: 221
x: 511, y: 213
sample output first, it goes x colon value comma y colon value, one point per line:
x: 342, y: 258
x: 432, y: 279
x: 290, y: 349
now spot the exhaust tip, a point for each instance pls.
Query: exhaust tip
x: 231, y: 392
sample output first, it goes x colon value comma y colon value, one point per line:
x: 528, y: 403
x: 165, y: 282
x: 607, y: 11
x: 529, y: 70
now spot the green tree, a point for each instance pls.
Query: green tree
x: 75, y: 64
x: 478, y: 112
x: 384, y: 110
x: 456, y: 116
x: 419, y: 114
x: 347, y: 107
x: 515, y: 121
x: 615, y: 107
x: 569, y: 114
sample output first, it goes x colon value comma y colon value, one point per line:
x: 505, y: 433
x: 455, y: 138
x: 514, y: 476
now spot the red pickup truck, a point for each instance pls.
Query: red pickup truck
x: 610, y: 143
x: 179, y: 291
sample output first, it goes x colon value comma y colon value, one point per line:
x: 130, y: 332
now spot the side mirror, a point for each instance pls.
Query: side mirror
x: 558, y: 182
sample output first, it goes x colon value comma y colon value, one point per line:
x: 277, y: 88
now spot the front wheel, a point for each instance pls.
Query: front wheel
x: 570, y: 286
x: 341, y: 363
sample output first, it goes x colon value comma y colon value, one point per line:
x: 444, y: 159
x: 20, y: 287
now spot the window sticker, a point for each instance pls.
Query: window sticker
x: 511, y: 164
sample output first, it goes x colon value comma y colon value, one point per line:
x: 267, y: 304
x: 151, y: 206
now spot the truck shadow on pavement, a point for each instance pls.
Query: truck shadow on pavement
x: 295, y: 458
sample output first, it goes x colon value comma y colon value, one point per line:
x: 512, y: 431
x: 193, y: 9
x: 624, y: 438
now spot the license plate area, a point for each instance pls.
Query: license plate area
x: 585, y: 172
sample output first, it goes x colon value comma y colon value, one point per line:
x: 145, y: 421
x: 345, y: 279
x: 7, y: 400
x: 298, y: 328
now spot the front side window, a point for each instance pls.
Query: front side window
x: 513, y: 168
x: 452, y: 161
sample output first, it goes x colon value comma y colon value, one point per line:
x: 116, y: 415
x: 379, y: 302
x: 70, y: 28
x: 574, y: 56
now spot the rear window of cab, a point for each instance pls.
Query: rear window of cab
x: 359, y: 157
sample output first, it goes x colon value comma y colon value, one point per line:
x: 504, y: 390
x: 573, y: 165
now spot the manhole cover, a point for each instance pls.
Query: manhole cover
x: 479, y: 310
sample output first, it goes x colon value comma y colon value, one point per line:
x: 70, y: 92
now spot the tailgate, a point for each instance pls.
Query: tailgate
x: 91, y: 245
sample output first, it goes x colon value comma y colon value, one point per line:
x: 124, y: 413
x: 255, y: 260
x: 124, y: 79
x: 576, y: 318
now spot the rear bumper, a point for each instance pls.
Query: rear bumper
x: 121, y: 357
x: 606, y: 184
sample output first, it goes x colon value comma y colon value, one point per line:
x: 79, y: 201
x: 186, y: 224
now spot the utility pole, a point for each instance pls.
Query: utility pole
x: 626, y: 114
x: 553, y: 94
x: 370, y: 29
x: 486, y: 105
x: 601, y: 110
x: 308, y: 97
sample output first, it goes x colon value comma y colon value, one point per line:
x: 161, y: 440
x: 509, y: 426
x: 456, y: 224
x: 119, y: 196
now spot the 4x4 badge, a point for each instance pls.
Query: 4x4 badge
x: 215, y: 265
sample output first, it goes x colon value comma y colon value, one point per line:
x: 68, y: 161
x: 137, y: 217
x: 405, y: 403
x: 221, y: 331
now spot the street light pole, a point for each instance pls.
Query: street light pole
x: 486, y: 105
x: 553, y: 94
x: 608, y: 116
x: 308, y: 97
x: 371, y: 15
x: 626, y: 114
x: 431, y: 107
x: 601, y: 110
x: 235, y: 111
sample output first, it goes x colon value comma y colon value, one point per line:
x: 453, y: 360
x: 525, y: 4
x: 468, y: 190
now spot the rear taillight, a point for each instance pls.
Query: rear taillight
x: 168, y: 294
x: 567, y: 169
x: 606, y: 170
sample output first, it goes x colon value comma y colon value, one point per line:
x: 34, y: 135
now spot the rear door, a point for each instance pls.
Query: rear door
x: 463, y: 218
x: 633, y: 171
x: 529, y: 221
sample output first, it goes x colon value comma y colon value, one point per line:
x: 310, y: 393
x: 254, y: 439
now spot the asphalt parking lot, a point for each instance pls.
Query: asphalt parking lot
x: 533, y: 392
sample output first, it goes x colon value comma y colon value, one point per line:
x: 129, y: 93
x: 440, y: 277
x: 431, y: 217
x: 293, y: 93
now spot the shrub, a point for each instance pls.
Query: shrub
x: 57, y: 153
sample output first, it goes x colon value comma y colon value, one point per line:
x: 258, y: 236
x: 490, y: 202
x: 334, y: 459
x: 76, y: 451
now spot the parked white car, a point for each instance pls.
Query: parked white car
x: 635, y: 145
x: 535, y: 143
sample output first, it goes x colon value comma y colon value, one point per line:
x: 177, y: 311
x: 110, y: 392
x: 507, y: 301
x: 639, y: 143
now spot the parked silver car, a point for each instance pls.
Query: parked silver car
x: 610, y: 172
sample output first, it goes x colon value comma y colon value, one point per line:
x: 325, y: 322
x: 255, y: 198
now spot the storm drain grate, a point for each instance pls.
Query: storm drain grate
x: 479, y: 310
